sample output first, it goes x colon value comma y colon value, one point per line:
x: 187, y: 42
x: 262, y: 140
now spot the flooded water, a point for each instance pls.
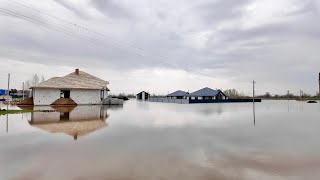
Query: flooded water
x: 144, y: 140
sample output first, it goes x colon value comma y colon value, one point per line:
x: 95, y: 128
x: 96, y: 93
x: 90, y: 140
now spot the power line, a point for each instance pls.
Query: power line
x: 87, y: 29
x: 17, y: 15
x: 86, y: 38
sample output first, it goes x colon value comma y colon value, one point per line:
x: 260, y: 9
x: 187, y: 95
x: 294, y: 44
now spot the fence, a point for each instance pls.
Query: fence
x: 165, y: 100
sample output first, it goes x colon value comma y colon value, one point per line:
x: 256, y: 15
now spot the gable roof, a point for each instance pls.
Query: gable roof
x: 205, y: 92
x: 177, y: 93
x: 73, y: 80
x: 142, y: 92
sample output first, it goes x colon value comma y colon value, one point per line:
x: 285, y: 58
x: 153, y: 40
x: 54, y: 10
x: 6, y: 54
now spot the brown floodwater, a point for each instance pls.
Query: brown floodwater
x: 142, y: 140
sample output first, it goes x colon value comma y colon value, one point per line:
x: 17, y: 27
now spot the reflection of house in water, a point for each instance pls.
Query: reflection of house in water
x: 74, y: 121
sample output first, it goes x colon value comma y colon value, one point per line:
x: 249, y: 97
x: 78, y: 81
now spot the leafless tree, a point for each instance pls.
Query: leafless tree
x: 27, y: 84
x: 35, y: 80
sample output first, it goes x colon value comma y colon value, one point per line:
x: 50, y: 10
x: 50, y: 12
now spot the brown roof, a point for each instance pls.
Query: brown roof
x: 73, y: 80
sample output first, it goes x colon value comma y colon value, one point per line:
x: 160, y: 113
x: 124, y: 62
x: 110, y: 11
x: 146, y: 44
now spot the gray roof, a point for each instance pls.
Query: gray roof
x: 205, y: 92
x: 177, y: 93
x: 82, y: 80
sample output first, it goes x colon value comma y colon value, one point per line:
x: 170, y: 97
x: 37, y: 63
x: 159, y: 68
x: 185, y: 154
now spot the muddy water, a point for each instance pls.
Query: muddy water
x: 164, y: 141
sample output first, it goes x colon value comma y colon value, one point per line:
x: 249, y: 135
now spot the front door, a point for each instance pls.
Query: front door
x: 65, y: 93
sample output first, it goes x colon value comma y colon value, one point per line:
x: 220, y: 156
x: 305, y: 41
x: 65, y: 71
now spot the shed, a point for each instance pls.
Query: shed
x: 143, y: 95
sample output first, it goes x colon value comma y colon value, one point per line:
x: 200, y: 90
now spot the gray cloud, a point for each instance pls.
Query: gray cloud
x: 217, y: 11
x: 111, y: 8
x: 72, y: 8
x: 220, y: 38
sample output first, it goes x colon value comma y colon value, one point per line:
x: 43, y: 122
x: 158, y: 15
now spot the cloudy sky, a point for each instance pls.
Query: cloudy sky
x: 161, y: 46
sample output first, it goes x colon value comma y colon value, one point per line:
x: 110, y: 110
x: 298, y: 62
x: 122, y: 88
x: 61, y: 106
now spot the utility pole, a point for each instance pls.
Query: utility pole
x: 253, y: 93
x: 319, y: 85
x: 23, y: 91
x: 8, y: 92
x: 254, y: 108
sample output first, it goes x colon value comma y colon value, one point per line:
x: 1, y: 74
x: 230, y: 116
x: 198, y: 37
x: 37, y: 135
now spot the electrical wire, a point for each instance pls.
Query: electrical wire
x: 95, y: 41
x: 87, y: 29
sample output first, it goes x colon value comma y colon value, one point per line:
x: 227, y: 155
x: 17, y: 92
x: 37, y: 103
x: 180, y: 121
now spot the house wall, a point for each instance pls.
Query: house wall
x: 45, y: 96
x: 48, y: 96
x: 86, y: 96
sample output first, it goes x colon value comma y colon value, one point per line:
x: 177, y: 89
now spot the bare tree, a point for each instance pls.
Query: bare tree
x: 27, y: 84
x: 35, y: 80
x: 42, y: 78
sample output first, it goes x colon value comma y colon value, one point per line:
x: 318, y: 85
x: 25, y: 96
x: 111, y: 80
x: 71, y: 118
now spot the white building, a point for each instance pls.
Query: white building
x: 79, y: 86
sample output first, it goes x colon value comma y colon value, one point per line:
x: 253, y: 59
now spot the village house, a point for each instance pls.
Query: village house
x: 78, y: 86
x: 207, y: 94
x: 178, y: 95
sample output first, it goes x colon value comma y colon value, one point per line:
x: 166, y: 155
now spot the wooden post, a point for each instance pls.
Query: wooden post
x: 319, y: 86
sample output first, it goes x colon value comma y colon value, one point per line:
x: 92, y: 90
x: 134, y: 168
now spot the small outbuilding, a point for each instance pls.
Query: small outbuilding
x: 177, y: 95
x: 143, y: 95
x: 207, y: 94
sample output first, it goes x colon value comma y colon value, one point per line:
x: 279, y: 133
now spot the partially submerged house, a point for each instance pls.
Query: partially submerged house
x: 178, y: 95
x: 143, y: 95
x: 78, y: 86
x: 207, y: 94
x: 204, y: 95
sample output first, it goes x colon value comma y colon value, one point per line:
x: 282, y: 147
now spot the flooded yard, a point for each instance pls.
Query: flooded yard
x: 146, y: 140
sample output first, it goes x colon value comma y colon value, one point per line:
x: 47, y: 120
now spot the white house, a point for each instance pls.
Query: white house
x: 79, y: 86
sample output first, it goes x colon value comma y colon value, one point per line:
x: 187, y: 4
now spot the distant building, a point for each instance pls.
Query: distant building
x: 207, y: 94
x: 204, y: 95
x: 143, y: 96
x: 79, y: 86
x: 3, y: 92
x: 178, y: 95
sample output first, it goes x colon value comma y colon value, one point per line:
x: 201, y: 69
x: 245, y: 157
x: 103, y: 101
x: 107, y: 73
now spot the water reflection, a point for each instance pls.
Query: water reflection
x: 7, y: 123
x: 74, y: 121
x: 254, y: 113
x: 167, y: 141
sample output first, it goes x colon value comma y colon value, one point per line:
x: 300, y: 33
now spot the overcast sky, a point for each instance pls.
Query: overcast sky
x: 161, y: 46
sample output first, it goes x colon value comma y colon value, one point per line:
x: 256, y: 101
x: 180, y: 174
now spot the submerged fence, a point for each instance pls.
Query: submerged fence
x: 194, y: 101
x: 165, y: 100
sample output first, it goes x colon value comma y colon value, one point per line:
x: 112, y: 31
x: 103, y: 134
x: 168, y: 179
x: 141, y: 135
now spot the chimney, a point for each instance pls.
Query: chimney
x: 77, y: 71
